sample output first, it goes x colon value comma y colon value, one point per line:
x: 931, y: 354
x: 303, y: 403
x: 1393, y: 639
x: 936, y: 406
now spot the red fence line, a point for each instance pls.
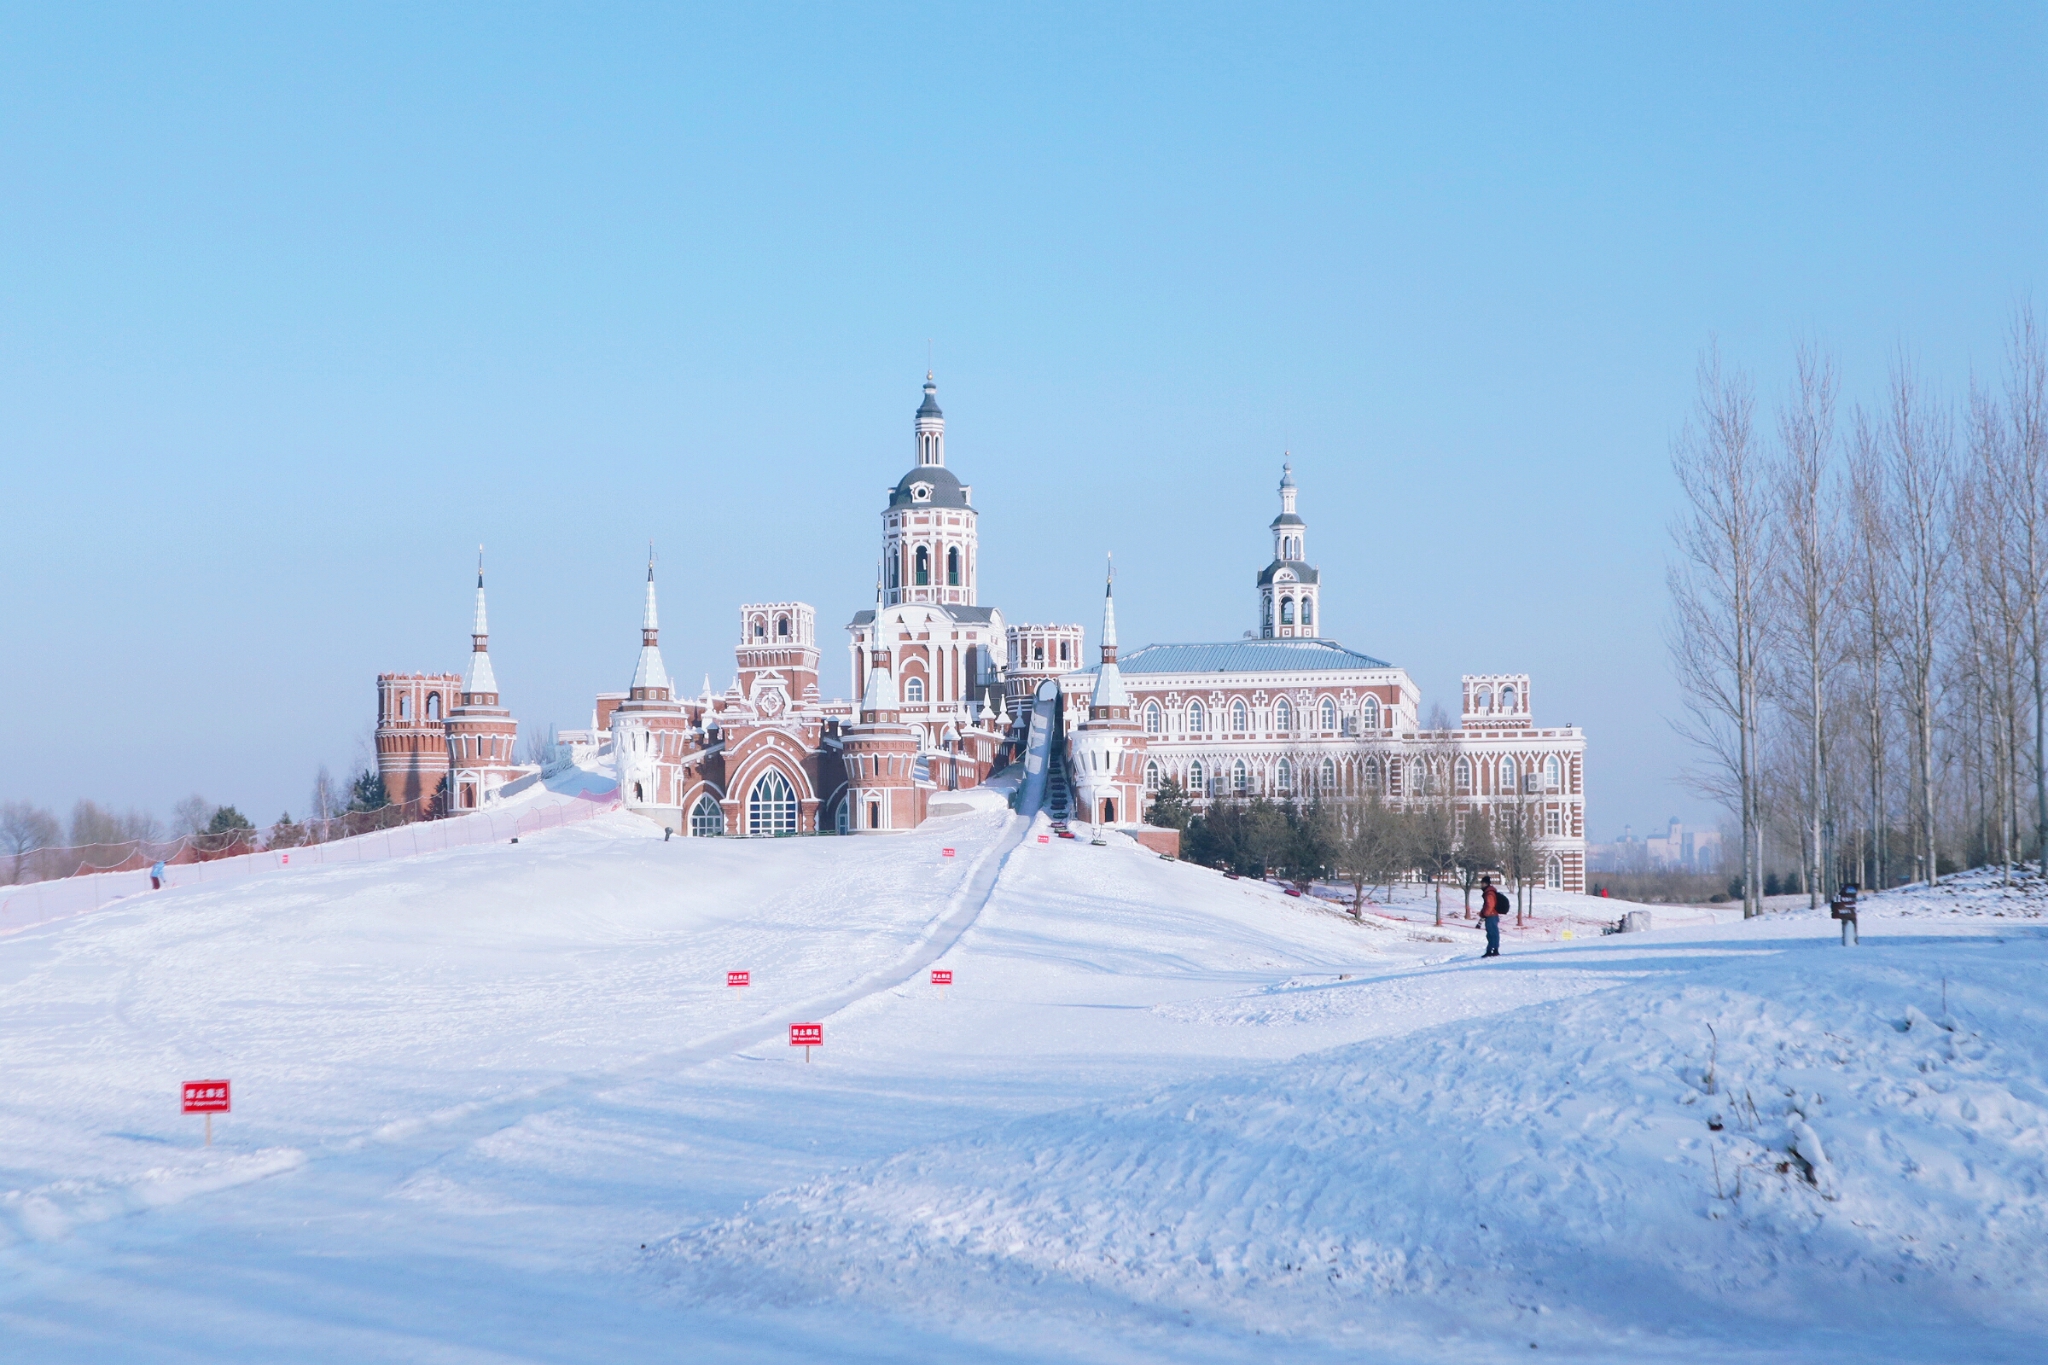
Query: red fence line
x: 24, y: 907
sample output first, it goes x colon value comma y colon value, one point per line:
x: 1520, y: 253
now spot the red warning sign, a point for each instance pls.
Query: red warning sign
x: 942, y: 976
x: 945, y: 853
x: 807, y: 1035
x: 738, y: 978
x: 1045, y: 838
x: 206, y: 1097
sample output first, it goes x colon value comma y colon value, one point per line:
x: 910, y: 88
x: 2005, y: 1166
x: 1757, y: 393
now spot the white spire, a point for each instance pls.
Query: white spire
x: 880, y: 694
x: 650, y: 678
x: 1109, y: 682
x: 480, y: 677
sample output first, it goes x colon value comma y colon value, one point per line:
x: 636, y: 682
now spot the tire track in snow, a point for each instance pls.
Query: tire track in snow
x: 466, y: 1123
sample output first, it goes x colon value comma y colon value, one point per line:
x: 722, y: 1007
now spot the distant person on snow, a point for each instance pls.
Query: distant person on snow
x: 156, y: 876
x: 1492, y: 905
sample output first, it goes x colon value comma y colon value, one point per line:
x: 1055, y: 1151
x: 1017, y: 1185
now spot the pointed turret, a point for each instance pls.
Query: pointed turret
x: 650, y: 677
x: 480, y: 680
x: 878, y: 700
x: 931, y: 426
x: 1111, y: 702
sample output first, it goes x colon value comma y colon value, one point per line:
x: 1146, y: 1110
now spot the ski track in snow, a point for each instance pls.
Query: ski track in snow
x: 1153, y: 1120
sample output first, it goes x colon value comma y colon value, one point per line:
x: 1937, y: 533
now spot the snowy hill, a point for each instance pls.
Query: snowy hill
x: 498, y: 1103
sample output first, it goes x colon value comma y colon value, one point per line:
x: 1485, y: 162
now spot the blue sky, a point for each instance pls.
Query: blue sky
x: 296, y: 309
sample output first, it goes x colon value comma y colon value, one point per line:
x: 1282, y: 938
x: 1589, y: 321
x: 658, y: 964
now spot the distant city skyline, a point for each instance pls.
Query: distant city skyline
x: 302, y: 307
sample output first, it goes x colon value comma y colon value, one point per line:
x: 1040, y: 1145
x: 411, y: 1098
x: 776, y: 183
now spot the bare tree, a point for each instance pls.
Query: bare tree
x: 2026, y: 479
x: 1872, y: 591
x: 1919, y: 468
x: 191, y: 815
x: 1807, y: 583
x: 24, y: 828
x: 1717, y: 589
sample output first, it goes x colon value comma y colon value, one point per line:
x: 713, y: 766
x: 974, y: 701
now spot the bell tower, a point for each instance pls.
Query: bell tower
x: 1289, y: 587
x: 929, y: 540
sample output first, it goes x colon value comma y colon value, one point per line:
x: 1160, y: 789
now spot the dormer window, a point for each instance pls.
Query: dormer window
x: 920, y: 492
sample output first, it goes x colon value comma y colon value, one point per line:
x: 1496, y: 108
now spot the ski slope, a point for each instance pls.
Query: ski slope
x: 497, y: 1104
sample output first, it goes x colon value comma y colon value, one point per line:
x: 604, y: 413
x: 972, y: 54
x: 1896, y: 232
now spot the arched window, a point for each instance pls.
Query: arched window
x: 1553, y: 873
x: 953, y: 567
x: 1328, y: 786
x: 1507, y: 775
x: 1240, y: 719
x: 1283, y: 716
x: 1418, y: 778
x: 639, y: 795
x: 842, y: 815
x: 771, y: 806
x: 1266, y: 613
x: 1462, y: 775
x: 1507, y: 699
x: 1198, y: 718
x: 1482, y: 700
x: 1240, y: 778
x: 1038, y: 653
x: 924, y: 567
x: 1308, y: 611
x: 892, y: 572
x: 1329, y: 715
x: 1063, y: 651
x: 1369, y: 713
x: 1283, y: 778
x: 1286, y: 611
x: 707, y: 817
x: 433, y: 706
x: 1553, y: 775
x: 1153, y: 719
x: 1151, y: 775
x: 782, y: 627
x: 913, y: 689
x: 1371, y: 774
x: 1197, y: 779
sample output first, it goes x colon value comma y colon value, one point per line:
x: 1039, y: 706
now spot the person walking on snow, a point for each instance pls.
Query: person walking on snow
x: 156, y: 876
x: 1492, y: 905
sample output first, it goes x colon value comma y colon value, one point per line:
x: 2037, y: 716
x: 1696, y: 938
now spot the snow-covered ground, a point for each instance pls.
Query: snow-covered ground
x: 497, y: 1104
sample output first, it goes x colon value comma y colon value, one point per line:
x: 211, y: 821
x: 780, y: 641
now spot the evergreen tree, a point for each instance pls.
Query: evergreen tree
x: 228, y: 820
x: 368, y: 791
x: 1171, y: 808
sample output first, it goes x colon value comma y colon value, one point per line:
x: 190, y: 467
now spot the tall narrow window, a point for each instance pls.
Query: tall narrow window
x: 1283, y: 778
x: 1197, y: 779
x: 1553, y: 873
x: 1240, y: 719
x: 1369, y: 713
x: 1507, y: 699
x: 1328, y: 786
x: 1507, y: 775
x: 1240, y: 778
x: 782, y: 627
x: 771, y: 808
x: 707, y: 817
x: 1329, y: 718
x: 1198, y: 718
x: 1286, y: 611
x: 913, y: 689
x: 1371, y: 774
x: 1553, y: 775
x: 1308, y: 611
x: 1283, y: 716
x: 1152, y: 718
x: 1482, y: 700
x: 1462, y: 775
x: 433, y: 706
x: 1151, y: 775
x: 924, y: 567
x: 953, y: 567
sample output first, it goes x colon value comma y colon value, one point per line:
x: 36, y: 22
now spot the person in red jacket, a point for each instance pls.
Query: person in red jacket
x: 1492, y: 905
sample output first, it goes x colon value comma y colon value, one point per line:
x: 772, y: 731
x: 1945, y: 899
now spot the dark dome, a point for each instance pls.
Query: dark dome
x: 945, y: 489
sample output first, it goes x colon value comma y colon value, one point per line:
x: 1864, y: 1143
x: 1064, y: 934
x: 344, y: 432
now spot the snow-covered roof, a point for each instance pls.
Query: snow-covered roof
x: 1249, y: 656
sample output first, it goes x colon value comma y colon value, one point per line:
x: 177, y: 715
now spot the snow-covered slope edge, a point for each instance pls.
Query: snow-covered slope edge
x: 1552, y: 1176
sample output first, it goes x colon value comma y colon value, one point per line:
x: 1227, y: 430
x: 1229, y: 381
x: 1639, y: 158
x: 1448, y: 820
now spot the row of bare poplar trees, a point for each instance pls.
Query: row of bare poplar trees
x: 1858, y: 618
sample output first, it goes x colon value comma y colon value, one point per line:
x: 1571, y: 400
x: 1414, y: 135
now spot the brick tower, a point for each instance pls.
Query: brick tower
x: 881, y: 753
x: 481, y: 734
x: 412, y: 733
